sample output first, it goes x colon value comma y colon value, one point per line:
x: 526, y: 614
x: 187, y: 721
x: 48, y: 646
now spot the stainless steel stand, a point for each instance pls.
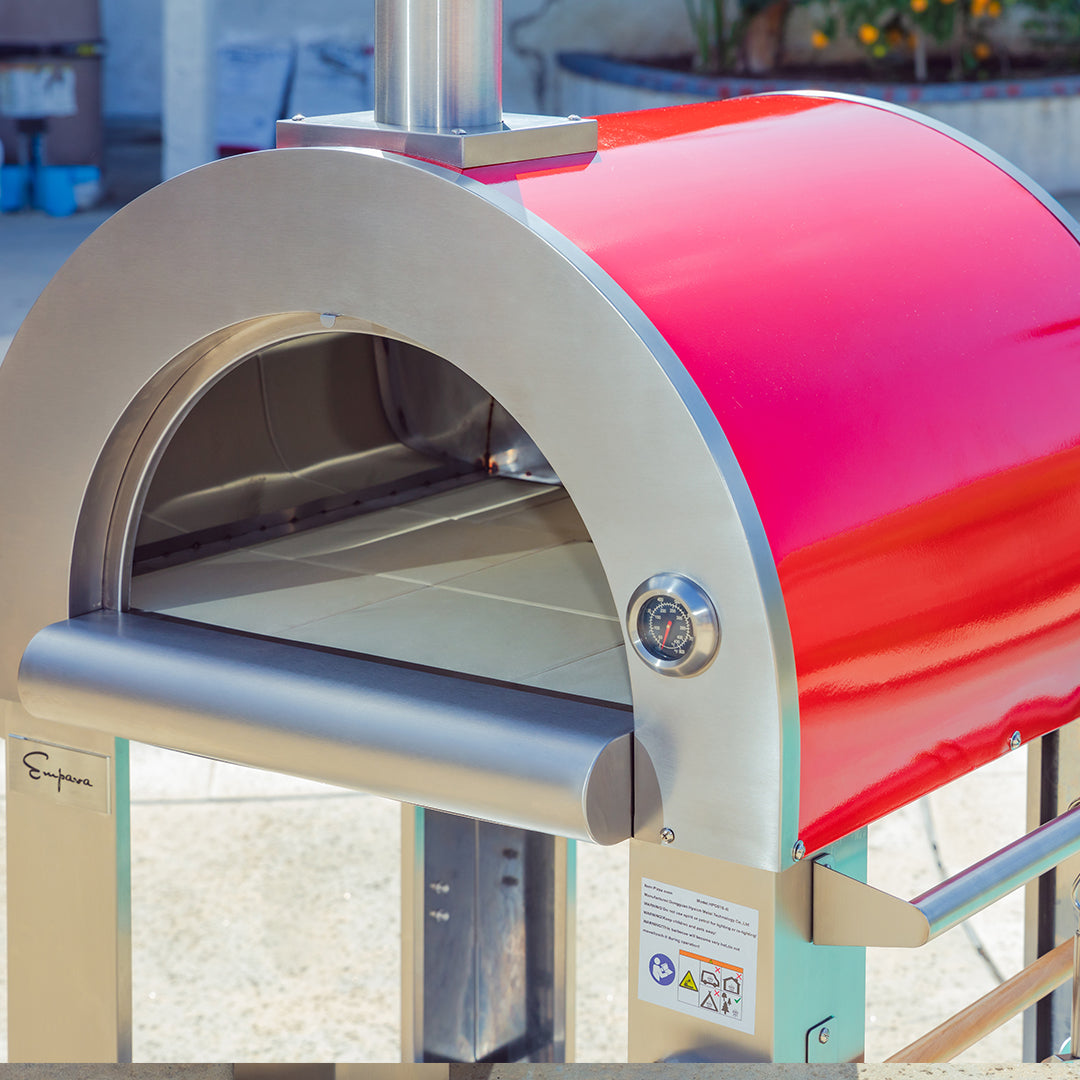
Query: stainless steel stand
x: 487, y: 932
x: 722, y: 967
x: 69, y: 895
x: 1050, y: 918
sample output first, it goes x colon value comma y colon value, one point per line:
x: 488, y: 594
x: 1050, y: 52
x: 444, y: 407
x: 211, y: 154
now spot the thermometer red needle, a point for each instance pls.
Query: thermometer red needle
x: 666, y: 632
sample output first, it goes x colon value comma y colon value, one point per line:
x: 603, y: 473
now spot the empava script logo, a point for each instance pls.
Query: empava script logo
x: 37, y: 771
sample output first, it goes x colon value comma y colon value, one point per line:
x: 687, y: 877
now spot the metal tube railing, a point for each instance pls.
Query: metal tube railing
x: 850, y: 912
x: 989, y: 880
x: 1074, y: 1030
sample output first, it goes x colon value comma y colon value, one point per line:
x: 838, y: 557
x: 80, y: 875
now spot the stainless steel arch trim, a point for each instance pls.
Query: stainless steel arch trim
x: 464, y: 272
x: 984, y: 151
x: 109, y: 515
x: 121, y: 478
x: 736, y: 488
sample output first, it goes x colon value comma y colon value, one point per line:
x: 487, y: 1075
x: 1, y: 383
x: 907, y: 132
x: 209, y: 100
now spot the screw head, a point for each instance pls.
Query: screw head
x: 460, y: 131
x: 299, y: 116
x: 823, y: 1035
x: 667, y: 836
x: 798, y: 852
x: 1015, y: 740
x: 573, y: 116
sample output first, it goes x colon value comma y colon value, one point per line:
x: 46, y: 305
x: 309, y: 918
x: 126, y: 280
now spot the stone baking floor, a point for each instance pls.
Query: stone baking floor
x: 497, y: 578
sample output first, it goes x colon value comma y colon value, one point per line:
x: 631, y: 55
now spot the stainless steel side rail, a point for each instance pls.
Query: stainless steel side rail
x: 849, y: 912
x: 536, y: 760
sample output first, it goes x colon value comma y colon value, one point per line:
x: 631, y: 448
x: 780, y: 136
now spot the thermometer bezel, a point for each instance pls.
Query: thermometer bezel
x: 704, y: 624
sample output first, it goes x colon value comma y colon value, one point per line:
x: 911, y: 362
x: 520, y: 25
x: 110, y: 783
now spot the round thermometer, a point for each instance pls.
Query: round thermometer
x: 673, y: 625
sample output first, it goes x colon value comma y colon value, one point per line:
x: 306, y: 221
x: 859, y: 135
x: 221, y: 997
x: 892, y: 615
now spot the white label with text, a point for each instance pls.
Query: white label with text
x: 698, y: 955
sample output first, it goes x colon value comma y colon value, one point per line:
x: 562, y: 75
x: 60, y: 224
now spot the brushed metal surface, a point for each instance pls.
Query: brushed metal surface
x: 523, y: 758
x: 69, y: 912
x: 519, y: 308
x: 490, y: 901
x: 300, y: 422
x: 848, y: 912
x: 413, y: 931
x: 521, y: 137
x: 448, y: 907
x: 796, y: 984
x: 1000, y: 873
x: 438, y: 64
x: 1049, y: 915
x: 549, y: 943
x: 436, y: 410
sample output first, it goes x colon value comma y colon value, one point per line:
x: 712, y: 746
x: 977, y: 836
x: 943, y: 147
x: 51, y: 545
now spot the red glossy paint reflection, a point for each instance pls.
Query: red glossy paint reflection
x: 888, y: 330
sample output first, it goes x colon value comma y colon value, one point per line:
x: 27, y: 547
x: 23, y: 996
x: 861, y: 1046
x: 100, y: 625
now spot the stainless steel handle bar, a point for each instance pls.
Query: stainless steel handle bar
x: 997, y: 875
x: 849, y: 912
x: 527, y: 758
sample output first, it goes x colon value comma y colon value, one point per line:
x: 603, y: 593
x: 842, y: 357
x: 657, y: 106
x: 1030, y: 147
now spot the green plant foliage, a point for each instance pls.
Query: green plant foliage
x: 1055, y: 23
x: 712, y: 35
x: 895, y: 34
x: 898, y: 30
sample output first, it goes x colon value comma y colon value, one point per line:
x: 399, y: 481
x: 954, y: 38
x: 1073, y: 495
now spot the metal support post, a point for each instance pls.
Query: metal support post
x: 1074, y: 1029
x: 487, y: 927
x: 1050, y: 918
x: 69, y: 893
x: 722, y: 967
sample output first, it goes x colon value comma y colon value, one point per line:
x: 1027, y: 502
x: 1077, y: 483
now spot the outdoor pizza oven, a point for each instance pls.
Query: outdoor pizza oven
x: 706, y: 475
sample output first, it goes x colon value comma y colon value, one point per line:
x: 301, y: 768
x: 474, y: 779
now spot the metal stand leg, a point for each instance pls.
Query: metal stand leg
x: 1074, y: 1031
x: 487, y: 919
x: 69, y: 906
x: 722, y: 968
x: 1053, y: 785
x: 1067, y: 1052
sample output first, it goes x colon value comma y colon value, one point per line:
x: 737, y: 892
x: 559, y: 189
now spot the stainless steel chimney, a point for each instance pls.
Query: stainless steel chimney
x: 438, y: 94
x: 438, y: 64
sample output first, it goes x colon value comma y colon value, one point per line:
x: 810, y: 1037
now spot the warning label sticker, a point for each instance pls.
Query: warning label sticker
x: 698, y: 955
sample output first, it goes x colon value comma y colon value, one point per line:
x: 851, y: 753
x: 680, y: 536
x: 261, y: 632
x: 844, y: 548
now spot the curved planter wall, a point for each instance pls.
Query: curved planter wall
x: 1034, y: 123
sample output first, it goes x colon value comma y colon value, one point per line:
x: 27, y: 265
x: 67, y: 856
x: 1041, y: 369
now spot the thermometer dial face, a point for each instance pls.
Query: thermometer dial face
x: 665, y: 627
x: 673, y: 625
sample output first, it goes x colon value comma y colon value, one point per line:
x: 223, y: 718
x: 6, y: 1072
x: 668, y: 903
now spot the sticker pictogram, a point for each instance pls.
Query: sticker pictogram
x: 662, y: 969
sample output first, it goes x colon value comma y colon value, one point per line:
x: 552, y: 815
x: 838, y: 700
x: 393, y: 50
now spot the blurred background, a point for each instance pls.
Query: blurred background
x: 81, y: 80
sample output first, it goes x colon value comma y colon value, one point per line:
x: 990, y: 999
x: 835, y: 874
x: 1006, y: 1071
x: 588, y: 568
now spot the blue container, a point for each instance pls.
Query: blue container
x: 14, y: 187
x: 54, y: 190
x: 86, y: 184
